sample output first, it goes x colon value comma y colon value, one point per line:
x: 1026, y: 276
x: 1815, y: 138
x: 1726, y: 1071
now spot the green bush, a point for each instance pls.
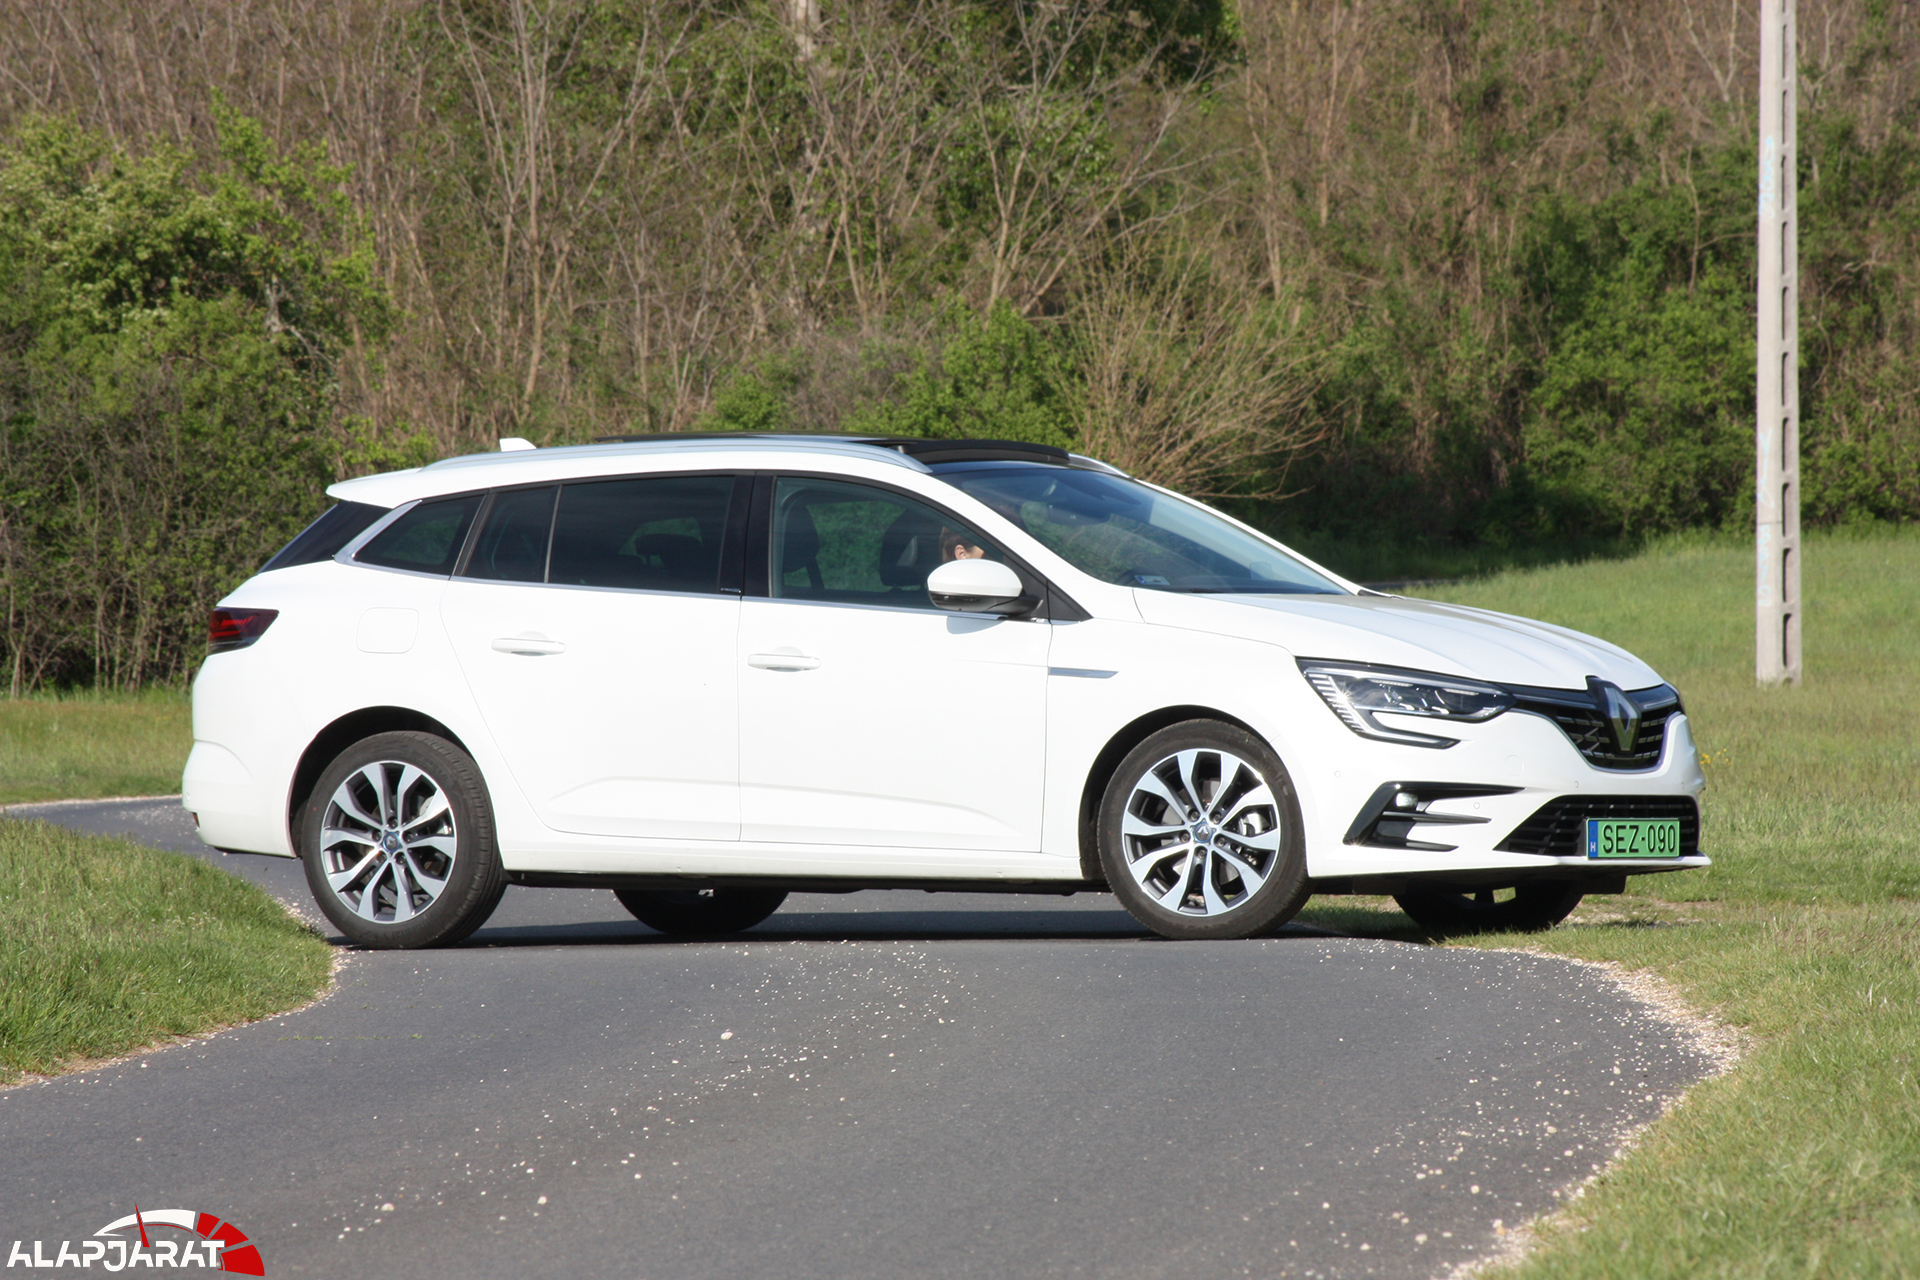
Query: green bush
x: 169, y: 334
x: 994, y: 376
x: 1642, y: 414
x: 1601, y: 385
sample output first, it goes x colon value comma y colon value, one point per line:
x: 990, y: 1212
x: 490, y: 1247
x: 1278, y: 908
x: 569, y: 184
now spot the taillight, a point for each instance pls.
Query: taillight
x: 237, y: 628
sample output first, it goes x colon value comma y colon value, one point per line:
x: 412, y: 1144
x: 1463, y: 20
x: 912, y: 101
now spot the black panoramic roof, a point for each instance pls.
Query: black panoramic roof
x: 923, y: 450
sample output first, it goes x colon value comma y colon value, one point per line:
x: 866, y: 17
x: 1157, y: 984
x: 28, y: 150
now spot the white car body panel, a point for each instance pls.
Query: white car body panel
x: 579, y: 728
x: 922, y: 745
x: 917, y: 729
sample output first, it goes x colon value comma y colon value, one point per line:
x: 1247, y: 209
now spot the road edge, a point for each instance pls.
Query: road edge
x: 1723, y: 1046
x: 337, y: 962
x: 11, y: 805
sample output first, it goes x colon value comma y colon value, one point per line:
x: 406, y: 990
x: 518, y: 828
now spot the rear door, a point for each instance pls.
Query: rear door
x: 595, y: 623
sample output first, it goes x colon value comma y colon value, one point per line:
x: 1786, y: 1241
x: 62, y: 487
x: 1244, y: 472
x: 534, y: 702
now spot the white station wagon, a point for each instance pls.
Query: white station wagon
x: 706, y: 672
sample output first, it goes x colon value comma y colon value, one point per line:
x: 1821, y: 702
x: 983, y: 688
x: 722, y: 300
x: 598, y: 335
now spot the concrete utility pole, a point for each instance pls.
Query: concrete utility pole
x: 1777, y: 385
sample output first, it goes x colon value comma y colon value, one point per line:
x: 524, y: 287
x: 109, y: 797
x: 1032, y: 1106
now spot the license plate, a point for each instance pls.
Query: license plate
x: 1633, y: 838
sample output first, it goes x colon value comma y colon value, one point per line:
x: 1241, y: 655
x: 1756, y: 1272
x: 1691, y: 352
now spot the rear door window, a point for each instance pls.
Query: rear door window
x: 650, y: 533
x: 512, y: 544
x: 426, y: 539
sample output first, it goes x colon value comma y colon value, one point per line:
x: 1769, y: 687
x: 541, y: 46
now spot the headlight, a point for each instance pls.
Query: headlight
x: 1358, y: 694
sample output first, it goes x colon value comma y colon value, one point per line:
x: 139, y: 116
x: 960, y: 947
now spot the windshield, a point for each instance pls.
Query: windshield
x: 1122, y: 532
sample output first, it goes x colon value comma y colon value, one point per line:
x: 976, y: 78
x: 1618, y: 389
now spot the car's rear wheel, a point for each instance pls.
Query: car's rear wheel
x: 1200, y: 834
x: 398, y: 843
x: 1525, y: 908
x: 693, y: 912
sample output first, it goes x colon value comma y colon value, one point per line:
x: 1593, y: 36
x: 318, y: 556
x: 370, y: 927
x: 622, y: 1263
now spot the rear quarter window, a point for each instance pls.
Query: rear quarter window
x: 426, y: 539
x: 323, y: 539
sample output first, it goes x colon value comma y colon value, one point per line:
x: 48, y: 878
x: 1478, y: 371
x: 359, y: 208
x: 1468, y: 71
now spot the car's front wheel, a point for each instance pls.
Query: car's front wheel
x: 1527, y: 908
x: 693, y: 912
x: 1200, y: 834
x: 398, y: 843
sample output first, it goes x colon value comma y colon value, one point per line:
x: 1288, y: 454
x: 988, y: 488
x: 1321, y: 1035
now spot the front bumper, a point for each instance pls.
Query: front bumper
x: 1505, y: 772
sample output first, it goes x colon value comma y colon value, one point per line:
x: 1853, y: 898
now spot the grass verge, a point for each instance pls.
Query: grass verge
x: 106, y: 947
x: 78, y: 746
x: 1804, y: 1161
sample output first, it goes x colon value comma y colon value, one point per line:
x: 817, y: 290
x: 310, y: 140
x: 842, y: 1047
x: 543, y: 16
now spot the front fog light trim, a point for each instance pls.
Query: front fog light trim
x: 1387, y: 819
x: 1359, y: 693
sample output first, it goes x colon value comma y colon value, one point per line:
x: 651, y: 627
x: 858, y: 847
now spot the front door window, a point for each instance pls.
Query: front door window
x: 855, y: 544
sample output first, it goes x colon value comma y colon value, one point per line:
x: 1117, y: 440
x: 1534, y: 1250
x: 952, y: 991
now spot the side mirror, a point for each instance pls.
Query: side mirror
x: 976, y: 586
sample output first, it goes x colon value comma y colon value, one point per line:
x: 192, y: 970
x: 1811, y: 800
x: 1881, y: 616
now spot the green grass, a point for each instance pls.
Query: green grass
x: 1805, y: 1160
x: 1384, y: 560
x: 106, y: 947
x: 84, y: 745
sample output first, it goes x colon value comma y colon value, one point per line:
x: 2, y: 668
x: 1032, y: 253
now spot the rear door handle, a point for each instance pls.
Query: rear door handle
x: 528, y: 646
x: 782, y: 661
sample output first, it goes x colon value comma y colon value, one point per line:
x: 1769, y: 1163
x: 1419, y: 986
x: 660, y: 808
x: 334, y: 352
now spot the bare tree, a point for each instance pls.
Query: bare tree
x: 1192, y: 381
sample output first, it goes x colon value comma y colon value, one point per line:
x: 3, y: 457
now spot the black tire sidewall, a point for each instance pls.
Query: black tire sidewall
x: 730, y: 910
x: 1535, y: 906
x: 477, y: 881
x: 1285, y: 890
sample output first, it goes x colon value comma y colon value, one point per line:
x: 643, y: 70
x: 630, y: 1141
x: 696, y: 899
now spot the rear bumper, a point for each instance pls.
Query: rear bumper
x: 231, y: 808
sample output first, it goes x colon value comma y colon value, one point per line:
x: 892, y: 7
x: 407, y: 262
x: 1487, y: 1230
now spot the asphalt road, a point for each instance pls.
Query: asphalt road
x: 885, y: 1084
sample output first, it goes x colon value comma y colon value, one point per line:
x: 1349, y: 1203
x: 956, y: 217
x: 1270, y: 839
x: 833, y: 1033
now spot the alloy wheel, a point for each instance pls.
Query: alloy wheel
x: 388, y: 841
x: 1201, y: 832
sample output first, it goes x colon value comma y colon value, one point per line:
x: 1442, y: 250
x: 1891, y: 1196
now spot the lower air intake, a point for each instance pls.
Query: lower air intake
x: 1559, y: 827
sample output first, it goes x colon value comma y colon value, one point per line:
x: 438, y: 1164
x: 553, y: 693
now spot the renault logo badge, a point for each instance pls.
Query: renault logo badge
x: 1622, y: 714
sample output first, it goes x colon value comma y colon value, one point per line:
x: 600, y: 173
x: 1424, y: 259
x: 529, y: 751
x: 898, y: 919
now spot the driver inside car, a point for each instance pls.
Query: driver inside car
x: 954, y: 546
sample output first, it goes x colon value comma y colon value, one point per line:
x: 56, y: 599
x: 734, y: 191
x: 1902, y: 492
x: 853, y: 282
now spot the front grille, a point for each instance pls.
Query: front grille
x: 1585, y: 723
x: 1559, y: 827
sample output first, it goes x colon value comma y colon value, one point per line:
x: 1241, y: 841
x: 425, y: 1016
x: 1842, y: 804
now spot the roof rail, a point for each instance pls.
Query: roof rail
x: 928, y: 451
x: 650, y: 437
x: 932, y: 451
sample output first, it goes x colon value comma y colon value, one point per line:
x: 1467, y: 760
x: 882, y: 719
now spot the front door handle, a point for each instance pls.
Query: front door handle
x: 528, y: 646
x: 782, y: 661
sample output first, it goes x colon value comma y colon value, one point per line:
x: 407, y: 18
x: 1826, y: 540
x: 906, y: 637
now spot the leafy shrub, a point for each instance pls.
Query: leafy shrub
x: 993, y: 376
x: 169, y: 333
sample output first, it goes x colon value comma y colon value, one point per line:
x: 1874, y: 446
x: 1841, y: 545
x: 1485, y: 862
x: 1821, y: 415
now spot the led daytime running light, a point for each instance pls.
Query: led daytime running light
x: 1358, y: 694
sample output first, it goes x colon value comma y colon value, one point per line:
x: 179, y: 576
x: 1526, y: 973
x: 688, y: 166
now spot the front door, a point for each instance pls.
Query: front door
x: 869, y: 717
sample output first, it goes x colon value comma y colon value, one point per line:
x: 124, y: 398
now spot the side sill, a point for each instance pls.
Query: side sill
x: 792, y: 884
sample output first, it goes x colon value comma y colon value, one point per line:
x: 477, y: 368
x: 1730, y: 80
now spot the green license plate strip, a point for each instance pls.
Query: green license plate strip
x: 1633, y: 838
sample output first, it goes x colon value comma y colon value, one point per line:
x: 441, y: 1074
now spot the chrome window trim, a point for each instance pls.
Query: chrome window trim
x: 719, y: 593
x: 346, y: 554
x: 931, y: 611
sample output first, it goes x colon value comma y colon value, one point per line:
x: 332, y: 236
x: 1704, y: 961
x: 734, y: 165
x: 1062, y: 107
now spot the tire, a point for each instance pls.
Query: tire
x: 398, y: 843
x: 1533, y: 907
x: 1217, y: 784
x: 696, y: 912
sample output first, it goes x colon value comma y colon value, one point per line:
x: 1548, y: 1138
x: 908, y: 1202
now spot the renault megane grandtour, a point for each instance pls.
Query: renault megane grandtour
x: 707, y: 672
